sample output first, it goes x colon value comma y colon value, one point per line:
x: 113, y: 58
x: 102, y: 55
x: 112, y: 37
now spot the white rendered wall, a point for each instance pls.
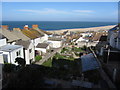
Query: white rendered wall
x: 29, y: 55
x: 55, y: 44
x: 13, y: 55
x: 41, y: 49
x: 3, y: 42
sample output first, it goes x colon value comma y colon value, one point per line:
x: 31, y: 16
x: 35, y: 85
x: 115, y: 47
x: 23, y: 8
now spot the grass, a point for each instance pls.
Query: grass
x: 38, y: 58
x: 75, y: 49
x: 48, y: 63
x: 58, y: 56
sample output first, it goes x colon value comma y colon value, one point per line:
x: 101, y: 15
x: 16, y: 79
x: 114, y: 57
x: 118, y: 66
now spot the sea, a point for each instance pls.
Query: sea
x: 56, y: 25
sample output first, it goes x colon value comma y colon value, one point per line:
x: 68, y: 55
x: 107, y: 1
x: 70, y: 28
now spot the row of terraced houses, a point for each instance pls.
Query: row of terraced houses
x: 25, y: 43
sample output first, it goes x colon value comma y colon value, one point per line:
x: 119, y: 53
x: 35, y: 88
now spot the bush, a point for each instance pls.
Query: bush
x: 64, y: 49
x: 8, y: 68
x: 48, y: 63
x: 38, y: 58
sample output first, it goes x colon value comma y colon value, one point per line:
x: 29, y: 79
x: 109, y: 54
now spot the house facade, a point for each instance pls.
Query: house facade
x: 11, y: 52
x: 42, y: 48
x: 29, y: 50
x: 111, y: 54
x: 3, y: 41
x: 55, y: 42
x: 114, y: 37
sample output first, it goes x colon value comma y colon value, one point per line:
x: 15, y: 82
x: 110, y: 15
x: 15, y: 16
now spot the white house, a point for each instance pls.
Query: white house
x: 29, y: 50
x: 0, y: 74
x: 3, y: 41
x: 11, y: 52
x: 81, y: 39
x: 42, y: 47
x: 40, y: 39
x: 86, y: 34
x: 114, y: 37
x: 55, y: 42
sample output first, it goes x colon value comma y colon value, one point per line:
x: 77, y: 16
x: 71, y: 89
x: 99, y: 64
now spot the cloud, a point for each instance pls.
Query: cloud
x: 49, y: 11
x: 45, y: 11
x: 83, y: 11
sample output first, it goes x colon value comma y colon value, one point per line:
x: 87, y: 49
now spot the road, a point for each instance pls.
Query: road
x: 48, y: 55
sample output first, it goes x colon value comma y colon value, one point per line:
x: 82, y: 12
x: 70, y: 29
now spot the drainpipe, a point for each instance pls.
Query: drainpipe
x: 108, y: 55
x: 114, y: 74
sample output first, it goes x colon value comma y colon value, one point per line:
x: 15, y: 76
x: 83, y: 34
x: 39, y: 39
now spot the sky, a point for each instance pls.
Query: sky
x: 60, y: 11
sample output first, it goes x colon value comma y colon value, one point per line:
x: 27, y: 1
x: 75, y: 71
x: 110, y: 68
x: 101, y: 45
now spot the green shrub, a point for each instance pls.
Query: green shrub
x: 8, y: 68
x: 48, y: 63
x: 38, y: 58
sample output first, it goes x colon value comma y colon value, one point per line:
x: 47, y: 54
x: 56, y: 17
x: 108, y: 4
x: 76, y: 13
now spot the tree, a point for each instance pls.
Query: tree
x: 8, y: 68
x: 20, y: 61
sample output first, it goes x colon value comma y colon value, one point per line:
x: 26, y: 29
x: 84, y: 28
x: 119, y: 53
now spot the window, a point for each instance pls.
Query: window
x: 30, y: 50
x: 18, y: 53
x: 31, y: 60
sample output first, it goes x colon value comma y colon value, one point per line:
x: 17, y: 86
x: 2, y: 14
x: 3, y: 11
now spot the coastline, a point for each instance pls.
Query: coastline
x: 83, y: 29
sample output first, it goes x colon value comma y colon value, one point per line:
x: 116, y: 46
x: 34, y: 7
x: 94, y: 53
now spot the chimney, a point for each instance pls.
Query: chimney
x: 4, y: 27
x: 17, y: 29
x: 34, y: 26
x: 26, y: 27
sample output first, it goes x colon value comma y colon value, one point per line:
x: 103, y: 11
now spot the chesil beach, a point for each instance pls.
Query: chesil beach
x: 84, y: 29
x: 61, y: 26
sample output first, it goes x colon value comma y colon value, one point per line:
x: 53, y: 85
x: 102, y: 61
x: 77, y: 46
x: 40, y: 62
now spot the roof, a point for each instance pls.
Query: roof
x: 32, y: 33
x: 19, y: 34
x: 9, y: 35
x: 9, y: 48
x: 55, y: 39
x: 25, y: 44
x: 103, y: 38
x: 44, y: 32
x: 2, y: 36
x: 114, y: 28
x: 97, y: 37
x: 89, y: 62
x: 42, y: 45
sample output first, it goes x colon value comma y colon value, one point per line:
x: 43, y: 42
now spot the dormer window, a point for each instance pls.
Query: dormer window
x: 30, y: 50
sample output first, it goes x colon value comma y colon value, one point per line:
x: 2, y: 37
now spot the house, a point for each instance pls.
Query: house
x: 1, y: 74
x: 29, y: 50
x: 3, y: 40
x: 9, y: 35
x: 11, y: 52
x: 111, y: 55
x: 87, y: 34
x: 42, y: 48
x: 55, y: 42
x: 18, y: 33
x: 81, y: 39
x: 1, y: 58
x: 114, y: 37
x: 36, y: 36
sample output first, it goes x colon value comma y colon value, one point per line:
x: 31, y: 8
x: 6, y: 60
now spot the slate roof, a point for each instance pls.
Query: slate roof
x: 42, y: 45
x: 1, y: 36
x: 9, y: 35
x: 114, y: 28
x: 32, y: 34
x: 19, y: 34
x: 9, y: 48
x: 97, y: 37
x: 25, y: 44
x: 55, y: 39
